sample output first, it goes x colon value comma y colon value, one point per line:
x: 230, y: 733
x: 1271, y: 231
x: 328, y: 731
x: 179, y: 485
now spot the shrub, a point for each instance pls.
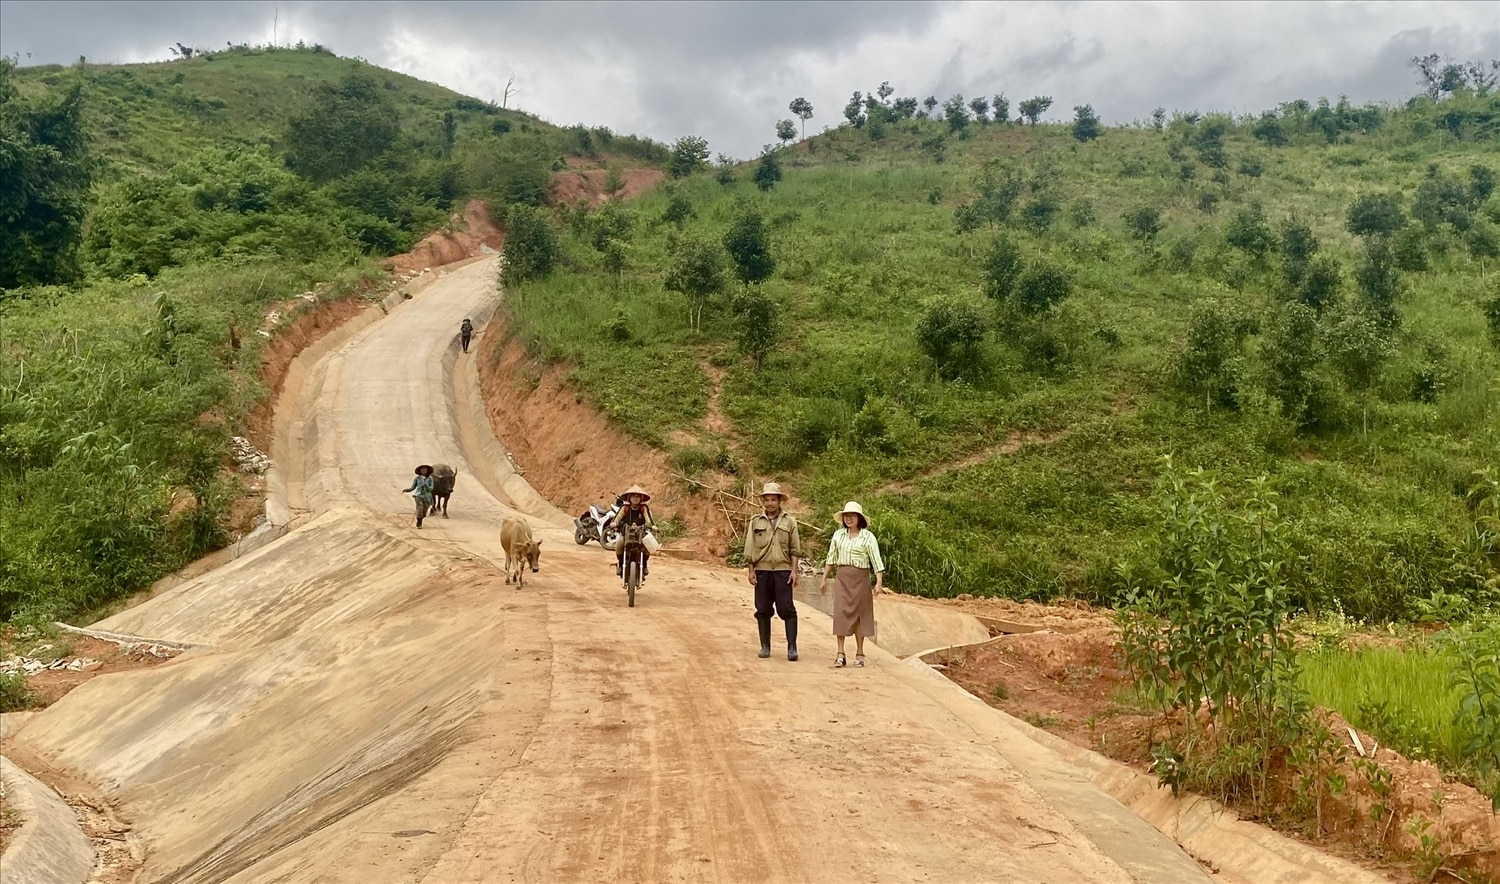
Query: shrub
x: 1042, y: 287
x: 950, y: 333
x: 1204, y: 628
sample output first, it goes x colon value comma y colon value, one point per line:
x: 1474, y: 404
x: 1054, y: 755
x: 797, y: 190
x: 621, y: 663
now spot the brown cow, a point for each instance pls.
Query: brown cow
x: 520, y: 549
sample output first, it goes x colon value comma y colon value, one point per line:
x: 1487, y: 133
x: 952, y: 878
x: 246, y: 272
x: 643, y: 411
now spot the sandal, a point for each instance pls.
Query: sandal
x: 839, y: 662
x: 859, y: 660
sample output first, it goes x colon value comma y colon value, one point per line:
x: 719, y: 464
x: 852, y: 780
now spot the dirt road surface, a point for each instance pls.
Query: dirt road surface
x: 372, y: 703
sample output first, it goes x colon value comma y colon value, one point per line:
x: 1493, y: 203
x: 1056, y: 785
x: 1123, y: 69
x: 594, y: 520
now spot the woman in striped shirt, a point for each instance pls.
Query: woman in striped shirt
x: 855, y: 552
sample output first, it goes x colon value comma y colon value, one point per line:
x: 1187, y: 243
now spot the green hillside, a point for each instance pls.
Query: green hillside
x: 991, y: 334
x: 151, y: 214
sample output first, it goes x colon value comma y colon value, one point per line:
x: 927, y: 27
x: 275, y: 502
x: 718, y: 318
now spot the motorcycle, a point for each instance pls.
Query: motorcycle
x: 594, y: 524
x: 638, y: 542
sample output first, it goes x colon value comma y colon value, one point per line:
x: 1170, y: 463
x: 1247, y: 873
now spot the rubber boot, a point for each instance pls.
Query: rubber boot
x: 764, y: 625
x: 791, y: 639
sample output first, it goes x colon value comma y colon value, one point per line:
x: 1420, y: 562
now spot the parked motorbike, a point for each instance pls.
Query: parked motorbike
x: 594, y: 524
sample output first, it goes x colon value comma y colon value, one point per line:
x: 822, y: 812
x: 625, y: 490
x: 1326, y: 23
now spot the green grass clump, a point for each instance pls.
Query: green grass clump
x: 1401, y: 695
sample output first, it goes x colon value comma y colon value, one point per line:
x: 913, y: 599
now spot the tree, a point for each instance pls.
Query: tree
x: 749, y: 246
x: 679, y: 209
x: 929, y: 104
x: 1288, y: 351
x: 1144, y: 223
x: 349, y: 124
x: 1380, y: 281
x: 981, y: 108
x: 955, y: 113
x: 697, y: 272
x: 999, y: 188
x: 1298, y: 246
x: 1357, y: 348
x: 757, y: 325
x: 1249, y: 232
x: 1409, y: 250
x: 1033, y: 108
x: 1210, y: 359
x: 904, y: 108
x: 450, y: 133
x: 950, y: 333
x: 804, y: 111
x: 531, y: 246
x: 1269, y: 129
x: 786, y: 130
x: 1002, y: 267
x: 614, y: 182
x: 1481, y: 183
x: 45, y: 178
x: 689, y: 154
x: 854, y: 111
x: 725, y: 167
x: 767, y: 171
x: 1319, y: 285
x: 1085, y: 123
x: 885, y: 91
x: 1041, y: 287
x: 1158, y: 118
x: 1376, y: 214
x: 1001, y: 106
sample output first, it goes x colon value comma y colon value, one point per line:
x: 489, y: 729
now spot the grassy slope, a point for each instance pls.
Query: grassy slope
x: 146, y: 117
x: 864, y: 233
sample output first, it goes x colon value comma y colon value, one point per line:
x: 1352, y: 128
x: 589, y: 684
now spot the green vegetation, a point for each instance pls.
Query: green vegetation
x: 153, y: 215
x: 992, y: 332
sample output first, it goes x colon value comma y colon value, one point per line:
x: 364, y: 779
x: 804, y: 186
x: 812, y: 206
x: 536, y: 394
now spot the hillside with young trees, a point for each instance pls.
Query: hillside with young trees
x: 151, y: 214
x: 991, y: 328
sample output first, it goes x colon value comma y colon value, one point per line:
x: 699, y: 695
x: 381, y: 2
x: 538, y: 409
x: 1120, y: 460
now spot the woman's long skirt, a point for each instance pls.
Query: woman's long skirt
x: 853, y: 602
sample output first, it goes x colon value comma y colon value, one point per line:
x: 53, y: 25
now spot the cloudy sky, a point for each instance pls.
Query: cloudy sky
x: 726, y: 70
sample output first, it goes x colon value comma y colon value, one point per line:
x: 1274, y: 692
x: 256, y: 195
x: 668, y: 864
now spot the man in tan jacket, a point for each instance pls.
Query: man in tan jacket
x: 773, y: 547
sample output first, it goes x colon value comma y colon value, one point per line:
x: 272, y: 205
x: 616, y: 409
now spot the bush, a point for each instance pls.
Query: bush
x: 950, y: 333
x: 1042, y: 287
x: 531, y: 245
x: 1204, y: 628
x: 14, y: 694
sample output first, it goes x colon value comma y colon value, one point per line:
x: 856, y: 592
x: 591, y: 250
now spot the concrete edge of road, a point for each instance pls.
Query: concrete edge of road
x: 49, y: 847
x: 477, y: 438
x: 1236, y: 850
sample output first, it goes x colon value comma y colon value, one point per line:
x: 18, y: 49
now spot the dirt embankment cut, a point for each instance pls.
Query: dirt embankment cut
x: 574, y: 455
x: 592, y: 184
x: 1076, y: 686
x: 467, y: 234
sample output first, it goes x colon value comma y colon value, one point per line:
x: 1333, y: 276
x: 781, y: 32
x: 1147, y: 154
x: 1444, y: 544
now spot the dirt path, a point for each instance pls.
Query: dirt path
x: 373, y: 703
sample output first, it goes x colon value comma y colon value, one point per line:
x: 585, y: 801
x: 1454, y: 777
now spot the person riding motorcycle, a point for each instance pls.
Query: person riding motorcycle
x: 634, y: 512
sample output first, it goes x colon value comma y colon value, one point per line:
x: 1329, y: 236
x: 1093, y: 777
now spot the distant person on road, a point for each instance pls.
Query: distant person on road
x: 773, y: 547
x: 465, y: 332
x: 634, y: 512
x: 421, y: 491
x: 855, y: 552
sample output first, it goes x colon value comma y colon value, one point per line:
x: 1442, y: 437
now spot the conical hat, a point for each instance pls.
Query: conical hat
x: 425, y: 466
x: 636, y: 489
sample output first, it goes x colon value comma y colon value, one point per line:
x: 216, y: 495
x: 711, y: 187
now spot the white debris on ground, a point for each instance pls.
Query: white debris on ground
x: 31, y: 665
x: 247, y: 457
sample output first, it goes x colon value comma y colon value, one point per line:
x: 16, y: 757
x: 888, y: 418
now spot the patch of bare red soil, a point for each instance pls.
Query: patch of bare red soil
x: 1075, y: 686
x: 590, y: 185
x: 97, y: 658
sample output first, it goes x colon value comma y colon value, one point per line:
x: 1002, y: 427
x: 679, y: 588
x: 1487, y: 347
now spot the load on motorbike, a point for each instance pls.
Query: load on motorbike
x: 594, y: 524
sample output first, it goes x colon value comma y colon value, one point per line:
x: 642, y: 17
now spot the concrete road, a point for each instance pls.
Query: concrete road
x: 372, y: 703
